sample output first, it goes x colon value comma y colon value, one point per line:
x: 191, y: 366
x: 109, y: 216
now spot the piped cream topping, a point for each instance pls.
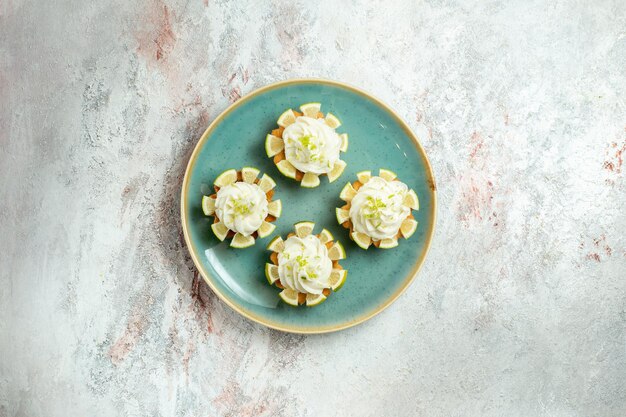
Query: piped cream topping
x: 378, y: 210
x: 304, y: 265
x: 311, y: 145
x: 242, y: 207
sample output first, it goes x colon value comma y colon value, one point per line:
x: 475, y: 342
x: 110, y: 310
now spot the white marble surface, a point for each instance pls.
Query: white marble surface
x: 520, y: 309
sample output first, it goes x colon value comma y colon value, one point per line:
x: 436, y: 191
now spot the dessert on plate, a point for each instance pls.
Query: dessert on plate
x: 305, y: 266
x: 305, y: 145
x: 378, y: 210
x: 242, y: 206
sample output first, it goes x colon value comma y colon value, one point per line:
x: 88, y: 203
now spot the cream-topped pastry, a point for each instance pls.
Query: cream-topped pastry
x: 377, y: 209
x: 242, y: 207
x: 306, y: 145
x: 304, y: 265
x: 311, y: 145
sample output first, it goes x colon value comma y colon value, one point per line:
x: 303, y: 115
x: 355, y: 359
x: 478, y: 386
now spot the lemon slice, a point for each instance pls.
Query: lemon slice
x: 266, y: 229
x: 311, y: 109
x: 337, y: 278
x: 303, y: 229
x: 249, y: 174
x: 337, y: 170
x: 408, y: 227
x: 287, y: 118
x: 364, y: 176
x: 275, y: 208
x: 342, y: 215
x: 332, y: 121
x: 411, y: 200
x: 240, y: 241
x: 388, y: 243
x: 289, y: 296
x: 266, y: 183
x: 362, y: 240
x: 271, y: 273
x: 220, y: 230
x: 387, y: 175
x: 273, y: 145
x: 344, y: 142
x: 347, y: 193
x: 286, y: 169
x: 326, y: 236
x: 226, y: 178
x: 208, y: 205
x: 276, y: 245
x: 310, y: 180
x: 313, y: 300
x: 336, y: 252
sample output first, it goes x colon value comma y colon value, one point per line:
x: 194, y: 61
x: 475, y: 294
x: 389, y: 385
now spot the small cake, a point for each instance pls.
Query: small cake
x: 242, y: 206
x: 378, y: 210
x: 305, y: 266
x: 305, y: 145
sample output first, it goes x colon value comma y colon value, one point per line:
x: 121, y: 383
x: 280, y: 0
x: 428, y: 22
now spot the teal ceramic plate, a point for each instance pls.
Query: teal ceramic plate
x: 378, y: 139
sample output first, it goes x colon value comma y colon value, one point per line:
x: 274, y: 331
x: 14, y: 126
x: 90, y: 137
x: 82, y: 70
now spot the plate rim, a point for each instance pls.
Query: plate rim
x: 312, y: 329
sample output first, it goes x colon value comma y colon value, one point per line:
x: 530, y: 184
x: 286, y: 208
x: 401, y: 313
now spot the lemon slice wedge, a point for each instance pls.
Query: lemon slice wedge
x: 325, y: 236
x: 289, y: 296
x: 332, y: 121
x: 271, y: 273
x: 266, y: 183
x: 342, y: 215
x: 311, y: 109
x: 313, y: 300
x: 336, y: 252
x: 337, y: 279
x: 276, y: 245
x: 388, y: 243
x: 287, y: 118
x: 337, y: 170
x: 364, y: 176
x: 273, y: 145
x: 387, y: 175
x: 347, y: 193
x: 208, y: 205
x: 344, y: 142
x: 303, y: 229
x: 266, y: 229
x: 286, y: 169
x: 240, y: 241
x: 249, y: 174
x: 226, y: 178
x: 310, y: 180
x: 275, y: 208
x: 220, y: 230
x: 411, y: 200
x: 408, y: 227
x: 362, y: 240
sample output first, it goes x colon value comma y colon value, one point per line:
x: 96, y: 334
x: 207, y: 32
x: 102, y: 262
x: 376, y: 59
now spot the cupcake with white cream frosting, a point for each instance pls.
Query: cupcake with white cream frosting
x: 305, y: 266
x: 242, y: 206
x: 378, y: 210
x: 306, y: 145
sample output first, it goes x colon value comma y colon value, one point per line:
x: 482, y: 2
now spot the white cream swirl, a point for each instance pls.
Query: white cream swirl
x: 304, y: 265
x: 377, y: 209
x: 311, y: 145
x: 242, y: 207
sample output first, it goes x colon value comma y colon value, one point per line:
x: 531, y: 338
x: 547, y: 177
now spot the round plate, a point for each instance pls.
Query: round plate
x: 378, y: 139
